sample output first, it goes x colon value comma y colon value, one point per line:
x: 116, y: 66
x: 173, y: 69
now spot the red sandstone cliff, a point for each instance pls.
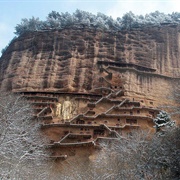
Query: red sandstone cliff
x: 144, y: 61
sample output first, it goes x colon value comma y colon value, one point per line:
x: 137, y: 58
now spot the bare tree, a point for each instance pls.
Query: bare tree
x: 22, y: 153
x: 141, y: 156
x: 167, y: 155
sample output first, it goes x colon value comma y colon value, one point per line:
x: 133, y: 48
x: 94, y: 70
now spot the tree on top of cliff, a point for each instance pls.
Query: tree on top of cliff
x: 32, y: 24
x: 129, y: 20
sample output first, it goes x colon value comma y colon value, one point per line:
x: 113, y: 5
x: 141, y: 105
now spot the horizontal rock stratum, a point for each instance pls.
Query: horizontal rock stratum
x: 144, y: 62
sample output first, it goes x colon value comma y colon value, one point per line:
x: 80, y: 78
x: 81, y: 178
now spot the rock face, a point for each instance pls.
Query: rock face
x: 88, y: 85
x: 145, y: 62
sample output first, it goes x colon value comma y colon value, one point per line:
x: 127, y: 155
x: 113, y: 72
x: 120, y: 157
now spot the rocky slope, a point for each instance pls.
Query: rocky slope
x: 145, y: 62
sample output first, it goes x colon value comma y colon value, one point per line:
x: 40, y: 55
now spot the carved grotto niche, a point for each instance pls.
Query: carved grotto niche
x: 65, y: 109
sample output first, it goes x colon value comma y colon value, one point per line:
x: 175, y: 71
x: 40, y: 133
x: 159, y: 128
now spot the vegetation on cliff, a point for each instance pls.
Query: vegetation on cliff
x: 79, y: 18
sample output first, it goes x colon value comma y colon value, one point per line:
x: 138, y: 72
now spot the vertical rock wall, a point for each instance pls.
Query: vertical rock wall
x: 67, y: 61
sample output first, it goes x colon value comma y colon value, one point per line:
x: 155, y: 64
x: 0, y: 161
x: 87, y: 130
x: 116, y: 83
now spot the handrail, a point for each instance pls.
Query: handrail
x: 105, y: 69
x: 105, y: 98
x: 74, y: 134
x: 105, y: 80
x: 76, y: 117
x: 111, y: 108
x: 124, y: 101
x: 110, y: 115
x: 103, y: 88
x: 115, y: 106
x: 41, y: 97
x: 107, y: 127
x: 99, y: 101
x: 130, y: 108
x: 76, y: 143
x: 117, y: 134
x: 64, y: 137
x: 125, y: 125
x: 144, y: 72
x: 110, y: 138
x: 130, y: 65
x: 109, y: 95
x: 88, y: 112
x: 118, y: 92
x: 41, y: 111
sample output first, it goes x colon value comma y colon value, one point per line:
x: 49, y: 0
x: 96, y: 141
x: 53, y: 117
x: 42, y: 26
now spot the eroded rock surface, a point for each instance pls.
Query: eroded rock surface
x: 145, y: 62
x: 87, y: 85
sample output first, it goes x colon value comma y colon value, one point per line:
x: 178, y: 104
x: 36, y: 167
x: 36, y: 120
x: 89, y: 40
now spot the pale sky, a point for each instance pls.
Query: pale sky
x: 12, y: 11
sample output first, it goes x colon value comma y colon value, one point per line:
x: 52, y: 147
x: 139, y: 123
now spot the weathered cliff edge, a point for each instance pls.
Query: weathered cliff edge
x: 144, y: 61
